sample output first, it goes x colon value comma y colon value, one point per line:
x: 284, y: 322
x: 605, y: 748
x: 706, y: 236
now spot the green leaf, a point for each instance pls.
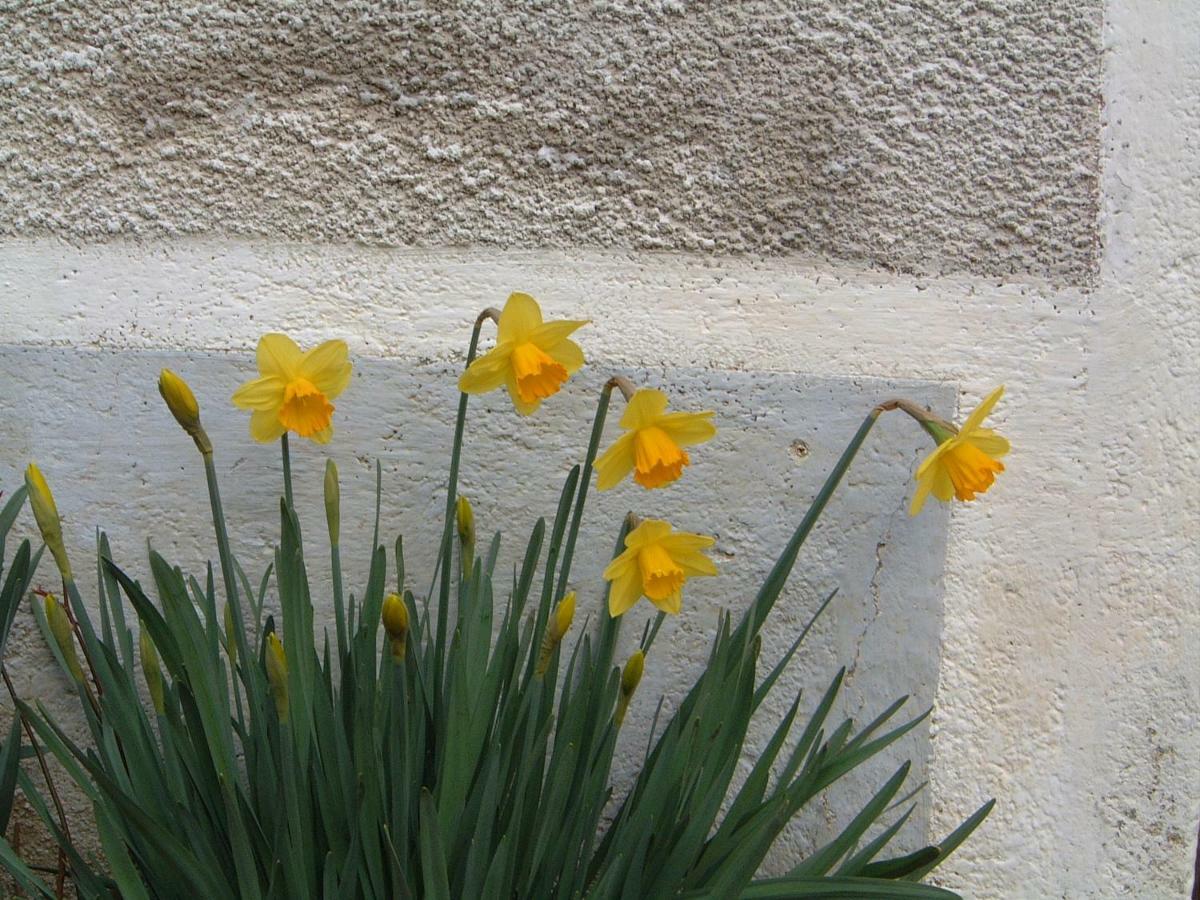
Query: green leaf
x: 952, y: 841
x: 10, y: 764
x: 433, y: 855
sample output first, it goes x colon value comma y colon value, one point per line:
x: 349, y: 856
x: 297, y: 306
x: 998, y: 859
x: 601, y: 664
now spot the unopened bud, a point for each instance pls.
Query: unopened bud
x: 556, y: 629
x: 183, y: 406
x: 333, y: 502
x: 465, y: 516
x: 151, y: 671
x: 631, y: 676
x: 277, y: 674
x: 395, y: 623
x: 45, y: 512
x: 60, y: 628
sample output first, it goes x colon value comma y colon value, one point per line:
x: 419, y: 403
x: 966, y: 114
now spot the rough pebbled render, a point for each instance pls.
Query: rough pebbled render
x: 928, y: 137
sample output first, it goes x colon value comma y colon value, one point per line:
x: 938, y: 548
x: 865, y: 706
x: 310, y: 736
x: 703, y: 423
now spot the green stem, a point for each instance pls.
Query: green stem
x: 228, y: 575
x: 584, y: 483
x: 287, y: 470
x: 447, y: 547
x: 338, y: 603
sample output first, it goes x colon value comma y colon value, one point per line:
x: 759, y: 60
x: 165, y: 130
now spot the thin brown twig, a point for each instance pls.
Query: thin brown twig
x: 59, y: 884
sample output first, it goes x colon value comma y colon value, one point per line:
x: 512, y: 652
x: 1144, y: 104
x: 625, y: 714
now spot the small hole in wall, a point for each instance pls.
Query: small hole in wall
x: 798, y: 449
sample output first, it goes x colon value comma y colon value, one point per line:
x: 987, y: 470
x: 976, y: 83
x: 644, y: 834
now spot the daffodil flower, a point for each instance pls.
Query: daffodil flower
x: 965, y: 462
x: 652, y: 446
x: 655, y: 564
x: 294, y: 389
x: 531, y: 358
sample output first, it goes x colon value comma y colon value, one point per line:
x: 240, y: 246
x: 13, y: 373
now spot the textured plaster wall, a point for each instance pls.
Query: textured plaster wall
x: 1070, y: 597
x: 931, y: 137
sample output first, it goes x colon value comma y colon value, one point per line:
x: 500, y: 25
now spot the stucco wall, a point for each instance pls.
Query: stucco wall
x: 1068, y: 599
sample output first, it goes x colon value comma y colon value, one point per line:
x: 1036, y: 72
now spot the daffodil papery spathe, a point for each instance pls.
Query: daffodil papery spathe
x: 655, y: 564
x: 531, y: 358
x: 965, y: 463
x: 652, y: 446
x: 295, y: 388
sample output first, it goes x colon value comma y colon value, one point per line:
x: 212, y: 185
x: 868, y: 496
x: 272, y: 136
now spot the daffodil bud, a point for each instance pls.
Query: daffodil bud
x: 631, y: 676
x: 230, y: 635
x: 465, y: 516
x: 150, y: 670
x: 45, y: 512
x: 333, y: 502
x: 277, y: 674
x: 556, y: 629
x: 183, y: 406
x: 395, y: 623
x: 60, y: 628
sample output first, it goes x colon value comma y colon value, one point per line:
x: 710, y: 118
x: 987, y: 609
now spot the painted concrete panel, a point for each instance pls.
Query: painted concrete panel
x: 943, y: 137
x: 97, y: 428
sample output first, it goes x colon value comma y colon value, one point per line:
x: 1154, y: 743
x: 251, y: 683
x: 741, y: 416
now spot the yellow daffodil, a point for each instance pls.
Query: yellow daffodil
x: 531, y: 358
x: 655, y: 564
x: 965, y: 462
x: 294, y: 389
x: 277, y: 675
x: 652, y: 446
x: 395, y: 623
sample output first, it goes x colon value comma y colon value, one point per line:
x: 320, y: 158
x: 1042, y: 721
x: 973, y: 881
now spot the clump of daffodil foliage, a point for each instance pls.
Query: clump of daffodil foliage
x: 457, y: 745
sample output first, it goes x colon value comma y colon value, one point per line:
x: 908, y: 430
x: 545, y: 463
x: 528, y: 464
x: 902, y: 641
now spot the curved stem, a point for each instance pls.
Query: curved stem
x: 447, y: 545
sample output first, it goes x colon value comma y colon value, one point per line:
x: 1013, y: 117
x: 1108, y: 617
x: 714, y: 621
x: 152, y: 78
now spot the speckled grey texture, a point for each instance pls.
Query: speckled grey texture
x: 931, y: 137
x: 118, y: 461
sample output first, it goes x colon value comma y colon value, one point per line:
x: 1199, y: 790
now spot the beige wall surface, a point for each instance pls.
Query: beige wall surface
x: 782, y: 209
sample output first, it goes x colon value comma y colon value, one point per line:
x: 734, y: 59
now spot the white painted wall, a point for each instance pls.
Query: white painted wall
x: 1068, y: 682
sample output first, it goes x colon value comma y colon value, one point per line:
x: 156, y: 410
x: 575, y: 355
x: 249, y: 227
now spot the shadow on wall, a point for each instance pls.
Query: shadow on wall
x: 127, y: 468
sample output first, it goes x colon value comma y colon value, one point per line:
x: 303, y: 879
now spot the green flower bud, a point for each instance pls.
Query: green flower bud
x: 395, y: 623
x: 45, y: 512
x: 60, y: 628
x: 277, y: 674
x: 333, y: 502
x: 150, y: 670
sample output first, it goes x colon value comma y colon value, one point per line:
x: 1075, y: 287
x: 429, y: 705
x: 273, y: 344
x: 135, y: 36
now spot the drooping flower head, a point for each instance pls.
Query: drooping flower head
x: 965, y: 462
x: 655, y: 564
x: 652, y: 446
x: 295, y: 389
x: 531, y: 358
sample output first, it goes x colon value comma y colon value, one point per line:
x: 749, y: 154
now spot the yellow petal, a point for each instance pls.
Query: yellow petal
x: 567, y: 354
x: 520, y: 316
x: 924, y: 486
x: 619, y: 565
x: 327, y: 367
x: 644, y: 408
x: 323, y: 436
x: 696, y: 565
x: 264, y: 393
x: 648, y: 532
x: 934, y: 457
x: 943, y: 485
x: 615, y: 463
x: 624, y: 593
x: 265, y: 425
x: 989, y: 442
x: 278, y: 355
x: 551, y: 334
x: 686, y: 542
x: 981, y: 411
x: 671, y: 604
x: 688, y: 428
x: 488, y: 372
